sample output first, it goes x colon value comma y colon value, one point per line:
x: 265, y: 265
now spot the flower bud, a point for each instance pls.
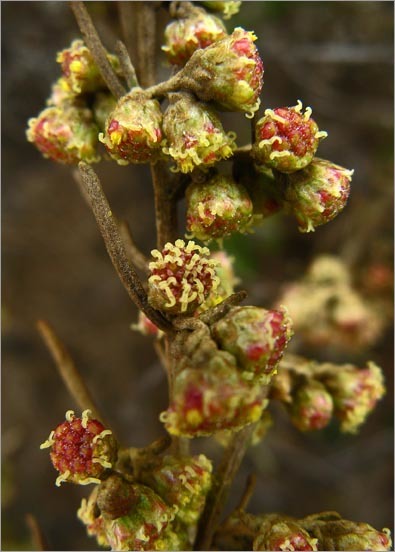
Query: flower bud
x: 286, y: 139
x: 194, y: 29
x: 80, y: 69
x: 229, y: 73
x: 318, y: 193
x: 194, y: 134
x: 67, y: 135
x: 355, y: 393
x: 182, y: 277
x: 212, y: 399
x: 133, y: 132
x: 103, y: 106
x: 61, y: 94
x: 348, y: 535
x: 256, y: 337
x: 81, y: 449
x: 183, y: 482
x: 283, y: 535
x: 217, y: 208
x: 311, y: 407
x: 143, y: 526
x: 226, y: 8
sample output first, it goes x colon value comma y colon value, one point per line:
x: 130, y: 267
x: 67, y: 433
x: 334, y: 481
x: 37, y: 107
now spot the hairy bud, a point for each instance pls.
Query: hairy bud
x: 311, y: 407
x: 67, y: 135
x: 196, y: 29
x: 256, y: 337
x: 134, y: 130
x: 217, y: 208
x: 81, y: 449
x: 283, y: 534
x: 286, y: 139
x: 194, y: 134
x: 318, y: 193
x: 182, y: 277
x: 229, y: 73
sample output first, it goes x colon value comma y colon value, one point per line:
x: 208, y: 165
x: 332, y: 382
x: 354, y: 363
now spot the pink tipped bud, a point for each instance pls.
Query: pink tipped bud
x: 355, y: 393
x: 286, y: 139
x: 226, y: 8
x: 81, y: 449
x: 318, y: 193
x: 229, y: 73
x: 284, y: 535
x: 194, y: 134
x: 311, y: 407
x: 212, y: 399
x: 133, y: 131
x: 256, y: 337
x: 217, y: 208
x: 183, y: 482
x: 61, y: 94
x: 197, y: 29
x: 67, y: 135
x: 80, y: 70
x: 182, y: 277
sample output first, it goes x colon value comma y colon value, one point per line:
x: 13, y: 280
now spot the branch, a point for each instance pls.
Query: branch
x: 216, y: 313
x: 126, y: 17
x: 96, y: 48
x: 218, y: 493
x: 67, y: 369
x: 37, y: 535
x: 91, y: 189
x: 165, y: 205
x: 127, y: 67
x: 145, y: 28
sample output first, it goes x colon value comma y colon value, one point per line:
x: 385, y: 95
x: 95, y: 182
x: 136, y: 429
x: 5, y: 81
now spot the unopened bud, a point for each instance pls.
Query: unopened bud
x: 194, y: 134
x: 256, y: 337
x: 286, y: 138
x: 229, y: 73
x: 82, y: 449
x: 283, y: 535
x: 134, y: 130
x: 67, y: 135
x: 182, y: 277
x: 318, y: 193
x: 226, y: 8
x: 217, y: 208
x: 115, y: 497
x: 196, y: 29
x: 311, y: 407
x: 80, y: 69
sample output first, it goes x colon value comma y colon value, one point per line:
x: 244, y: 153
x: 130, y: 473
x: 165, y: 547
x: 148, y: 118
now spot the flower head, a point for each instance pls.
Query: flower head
x: 318, y: 193
x: 229, y: 72
x: 182, y: 277
x: 286, y: 139
x: 81, y: 449
x: 133, y: 131
x: 67, y: 135
x: 194, y: 134
x: 196, y: 30
x: 256, y: 337
x: 80, y: 70
x: 217, y: 208
x: 355, y: 393
x: 311, y: 407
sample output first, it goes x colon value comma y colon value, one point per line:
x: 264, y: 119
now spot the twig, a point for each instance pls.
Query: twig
x: 146, y: 41
x: 165, y: 205
x: 126, y: 17
x: 248, y: 492
x: 67, y: 369
x: 216, y: 313
x: 127, y: 67
x: 37, y: 535
x: 135, y: 255
x: 223, y: 479
x: 92, y: 190
x: 96, y: 48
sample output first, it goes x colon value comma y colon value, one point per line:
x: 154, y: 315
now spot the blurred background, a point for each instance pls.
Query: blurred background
x: 337, y: 57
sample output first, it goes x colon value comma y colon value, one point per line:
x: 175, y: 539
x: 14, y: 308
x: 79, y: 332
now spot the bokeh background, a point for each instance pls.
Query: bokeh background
x: 335, y: 56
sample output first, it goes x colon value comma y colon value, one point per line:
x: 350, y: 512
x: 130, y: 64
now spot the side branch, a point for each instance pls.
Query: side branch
x: 67, y: 369
x: 165, y: 205
x: 93, y: 192
x: 96, y: 48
